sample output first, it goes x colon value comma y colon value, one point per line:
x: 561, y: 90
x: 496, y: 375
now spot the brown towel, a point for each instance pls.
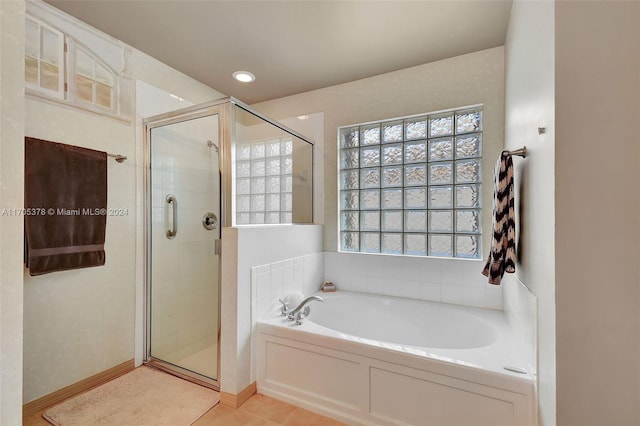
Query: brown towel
x: 502, y: 257
x: 65, y: 206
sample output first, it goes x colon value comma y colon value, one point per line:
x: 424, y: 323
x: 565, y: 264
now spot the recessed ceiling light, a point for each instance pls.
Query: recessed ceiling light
x: 303, y: 117
x: 244, y: 76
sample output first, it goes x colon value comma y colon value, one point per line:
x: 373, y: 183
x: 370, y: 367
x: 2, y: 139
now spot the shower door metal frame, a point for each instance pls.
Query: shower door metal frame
x: 224, y: 110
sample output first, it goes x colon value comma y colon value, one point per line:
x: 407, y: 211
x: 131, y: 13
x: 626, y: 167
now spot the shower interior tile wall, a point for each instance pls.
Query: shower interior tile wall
x: 441, y: 280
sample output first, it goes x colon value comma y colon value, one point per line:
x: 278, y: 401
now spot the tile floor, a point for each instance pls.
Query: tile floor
x: 259, y: 410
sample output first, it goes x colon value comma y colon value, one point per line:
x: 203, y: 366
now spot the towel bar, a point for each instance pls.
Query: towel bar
x: 521, y: 152
x: 119, y: 158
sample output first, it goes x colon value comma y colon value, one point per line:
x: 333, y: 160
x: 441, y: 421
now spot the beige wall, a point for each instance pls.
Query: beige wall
x: 11, y: 196
x: 464, y: 80
x: 529, y: 104
x: 78, y: 323
x: 597, y: 212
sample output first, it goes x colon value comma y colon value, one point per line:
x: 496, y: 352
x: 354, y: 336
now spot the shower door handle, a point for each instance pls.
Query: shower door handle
x: 173, y: 202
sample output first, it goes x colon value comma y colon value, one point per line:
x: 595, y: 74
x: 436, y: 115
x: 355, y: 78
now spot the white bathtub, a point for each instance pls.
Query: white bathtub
x: 368, y: 359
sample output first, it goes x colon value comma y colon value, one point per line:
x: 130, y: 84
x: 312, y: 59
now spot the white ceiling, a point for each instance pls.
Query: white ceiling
x: 295, y: 46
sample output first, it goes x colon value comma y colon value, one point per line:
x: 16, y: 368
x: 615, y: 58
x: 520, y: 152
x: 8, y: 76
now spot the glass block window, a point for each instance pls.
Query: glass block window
x: 412, y: 186
x: 44, y: 58
x: 264, y: 192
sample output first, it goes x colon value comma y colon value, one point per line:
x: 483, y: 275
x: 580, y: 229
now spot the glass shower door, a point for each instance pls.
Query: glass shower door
x: 184, y: 232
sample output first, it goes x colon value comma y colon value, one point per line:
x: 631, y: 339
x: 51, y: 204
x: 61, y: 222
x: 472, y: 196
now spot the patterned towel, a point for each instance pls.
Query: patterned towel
x: 502, y: 257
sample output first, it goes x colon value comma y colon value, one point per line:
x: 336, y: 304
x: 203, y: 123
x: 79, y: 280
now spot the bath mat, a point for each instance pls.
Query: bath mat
x: 143, y: 397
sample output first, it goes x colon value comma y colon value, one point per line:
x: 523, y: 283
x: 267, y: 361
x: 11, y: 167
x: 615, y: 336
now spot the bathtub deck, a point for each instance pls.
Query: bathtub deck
x: 366, y: 381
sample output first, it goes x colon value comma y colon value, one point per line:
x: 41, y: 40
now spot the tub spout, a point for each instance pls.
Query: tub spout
x: 302, y: 310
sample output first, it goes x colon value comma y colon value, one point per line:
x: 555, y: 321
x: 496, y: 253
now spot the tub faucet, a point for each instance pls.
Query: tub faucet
x: 300, y: 311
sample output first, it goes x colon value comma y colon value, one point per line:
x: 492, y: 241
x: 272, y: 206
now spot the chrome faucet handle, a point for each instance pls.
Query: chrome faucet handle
x: 299, y: 317
x: 284, y: 309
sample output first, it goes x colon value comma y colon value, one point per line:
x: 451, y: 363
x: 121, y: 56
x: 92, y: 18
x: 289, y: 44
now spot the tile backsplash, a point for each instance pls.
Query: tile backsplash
x: 457, y: 281
x: 454, y: 281
x: 274, y: 281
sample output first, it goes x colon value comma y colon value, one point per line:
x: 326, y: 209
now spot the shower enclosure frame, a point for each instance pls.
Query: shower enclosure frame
x: 225, y: 110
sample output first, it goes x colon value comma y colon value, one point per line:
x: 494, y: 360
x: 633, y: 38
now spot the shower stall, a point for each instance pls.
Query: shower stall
x: 209, y: 166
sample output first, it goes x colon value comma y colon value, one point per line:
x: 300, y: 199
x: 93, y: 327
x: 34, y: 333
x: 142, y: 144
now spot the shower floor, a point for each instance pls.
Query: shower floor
x: 204, y: 362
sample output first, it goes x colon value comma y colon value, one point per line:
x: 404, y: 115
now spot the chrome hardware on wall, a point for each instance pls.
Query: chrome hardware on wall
x: 210, y: 221
x: 171, y: 199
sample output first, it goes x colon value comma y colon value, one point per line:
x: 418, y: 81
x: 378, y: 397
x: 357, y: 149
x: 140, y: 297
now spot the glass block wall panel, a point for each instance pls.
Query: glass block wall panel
x: 415, y: 244
x: 350, y: 241
x: 470, y: 121
x: 441, y: 125
x: 440, y: 221
x: 272, y: 167
x: 468, y: 171
x: 468, y: 246
x: 468, y: 221
x: 349, y: 179
x: 272, y: 202
x: 273, y: 149
x: 370, y: 178
x: 370, y: 156
x: 391, y: 243
x: 440, y: 149
x: 415, y: 198
x: 415, y: 174
x: 392, y: 132
x: 370, y: 242
x: 412, y: 186
x: 370, y: 221
x: 286, y: 217
x: 440, y: 173
x: 391, y: 154
x: 273, y: 184
x: 415, y: 152
x: 286, y: 165
x: 349, y: 137
x: 440, y: 197
x: 264, y: 181
x: 370, y: 135
x: 350, y: 159
x: 440, y: 245
x: 468, y: 196
x: 392, y: 176
x: 349, y: 200
x: 391, y: 199
x: 370, y: 199
x: 272, y: 217
x: 392, y: 220
x: 415, y: 129
x: 243, y: 186
x: 350, y: 221
x: 415, y: 221
x: 468, y: 146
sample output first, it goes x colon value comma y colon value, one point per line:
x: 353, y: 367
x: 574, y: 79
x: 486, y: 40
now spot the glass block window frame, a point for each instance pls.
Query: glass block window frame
x: 263, y: 182
x: 412, y: 185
